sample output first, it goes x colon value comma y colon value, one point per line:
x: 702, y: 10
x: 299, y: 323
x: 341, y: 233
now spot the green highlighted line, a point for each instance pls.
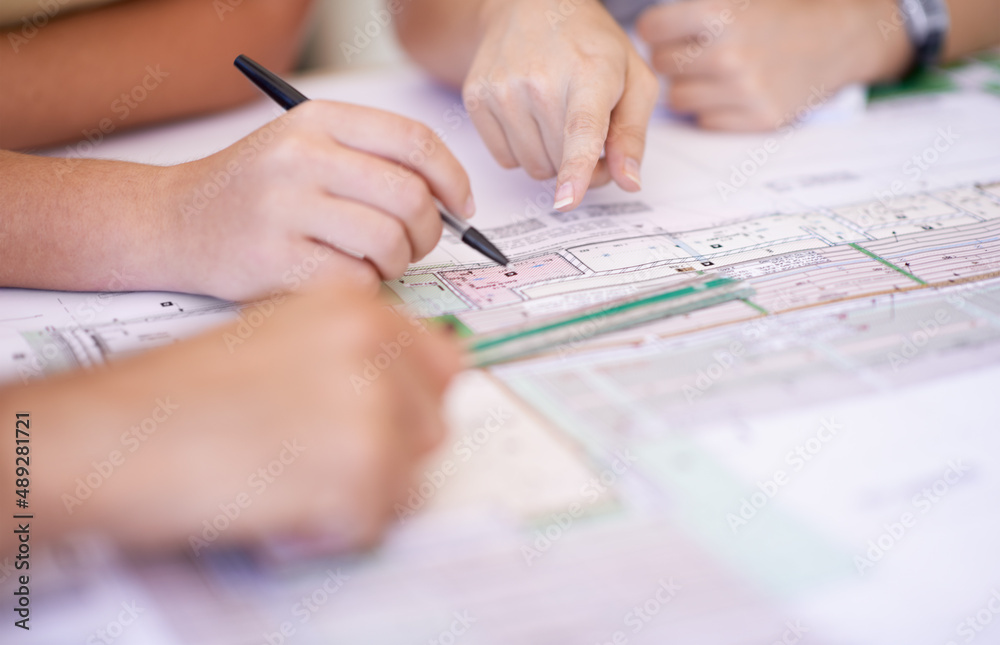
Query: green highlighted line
x: 601, y: 313
x: 889, y: 264
x: 754, y: 305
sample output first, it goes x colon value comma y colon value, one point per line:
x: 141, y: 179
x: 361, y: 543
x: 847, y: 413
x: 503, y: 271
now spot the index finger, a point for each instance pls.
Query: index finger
x: 588, y: 116
x: 402, y: 140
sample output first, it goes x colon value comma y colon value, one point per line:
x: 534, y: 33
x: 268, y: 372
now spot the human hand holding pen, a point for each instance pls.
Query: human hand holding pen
x: 288, y: 97
x: 327, y: 189
x: 259, y: 215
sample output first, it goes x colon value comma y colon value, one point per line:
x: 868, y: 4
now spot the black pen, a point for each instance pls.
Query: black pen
x: 288, y: 97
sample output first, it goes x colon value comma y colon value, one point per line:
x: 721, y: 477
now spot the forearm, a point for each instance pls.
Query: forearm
x: 69, y: 425
x: 85, y: 225
x: 975, y: 25
x: 106, y: 444
x: 135, y: 63
x: 443, y: 35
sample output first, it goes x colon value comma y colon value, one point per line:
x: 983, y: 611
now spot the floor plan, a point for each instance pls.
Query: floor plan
x: 742, y: 470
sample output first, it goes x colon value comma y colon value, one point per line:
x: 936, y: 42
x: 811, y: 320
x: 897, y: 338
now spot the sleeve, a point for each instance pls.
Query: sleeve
x: 626, y: 11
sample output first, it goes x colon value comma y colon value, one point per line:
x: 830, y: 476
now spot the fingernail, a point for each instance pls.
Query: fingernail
x: 470, y: 207
x: 564, y: 196
x: 632, y: 171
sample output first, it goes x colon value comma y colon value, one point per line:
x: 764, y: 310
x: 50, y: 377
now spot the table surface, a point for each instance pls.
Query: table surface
x: 862, y: 543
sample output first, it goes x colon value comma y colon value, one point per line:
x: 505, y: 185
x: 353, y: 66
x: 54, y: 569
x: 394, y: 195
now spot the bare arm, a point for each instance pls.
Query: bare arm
x: 82, y: 224
x: 775, y: 59
x: 975, y: 25
x: 238, y: 223
x: 147, y: 449
x: 443, y: 35
x: 91, y: 66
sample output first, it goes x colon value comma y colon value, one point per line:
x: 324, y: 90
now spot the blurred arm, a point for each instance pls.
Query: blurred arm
x: 975, y: 25
x: 137, y: 62
x: 443, y: 35
x: 146, y: 449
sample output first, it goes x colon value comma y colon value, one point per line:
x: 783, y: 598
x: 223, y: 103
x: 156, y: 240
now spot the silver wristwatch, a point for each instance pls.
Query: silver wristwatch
x: 926, y: 25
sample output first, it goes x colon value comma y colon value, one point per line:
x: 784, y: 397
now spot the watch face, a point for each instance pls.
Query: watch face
x: 926, y: 25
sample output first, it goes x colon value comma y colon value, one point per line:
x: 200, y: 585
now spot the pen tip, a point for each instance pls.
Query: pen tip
x: 478, y: 241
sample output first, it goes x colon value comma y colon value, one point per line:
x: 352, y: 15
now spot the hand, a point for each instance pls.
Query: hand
x: 317, y: 418
x: 757, y: 64
x: 550, y: 87
x: 244, y: 221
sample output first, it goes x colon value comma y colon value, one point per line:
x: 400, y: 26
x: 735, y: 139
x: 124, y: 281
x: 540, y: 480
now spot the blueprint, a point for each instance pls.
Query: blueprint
x: 868, y: 215
x: 814, y: 463
x: 795, y: 260
x: 927, y: 240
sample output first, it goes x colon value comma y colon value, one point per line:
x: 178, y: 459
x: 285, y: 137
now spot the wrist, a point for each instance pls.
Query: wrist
x: 147, y: 254
x: 179, y: 208
x: 490, y: 11
x: 889, y: 52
